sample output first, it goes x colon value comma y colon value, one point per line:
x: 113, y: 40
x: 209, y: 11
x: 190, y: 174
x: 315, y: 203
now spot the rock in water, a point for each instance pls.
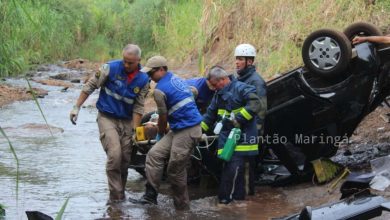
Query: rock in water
x: 36, y: 215
x: 75, y: 81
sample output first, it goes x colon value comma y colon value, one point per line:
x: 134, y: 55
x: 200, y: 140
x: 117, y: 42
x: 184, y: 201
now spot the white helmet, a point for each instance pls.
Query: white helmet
x: 245, y: 50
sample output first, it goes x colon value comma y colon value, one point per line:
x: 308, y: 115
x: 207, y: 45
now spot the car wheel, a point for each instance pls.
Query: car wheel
x: 327, y: 53
x: 361, y: 29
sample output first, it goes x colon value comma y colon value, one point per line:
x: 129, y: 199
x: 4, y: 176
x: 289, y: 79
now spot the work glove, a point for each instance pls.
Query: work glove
x: 74, y: 113
x: 158, y: 137
x: 227, y: 122
x: 238, y: 120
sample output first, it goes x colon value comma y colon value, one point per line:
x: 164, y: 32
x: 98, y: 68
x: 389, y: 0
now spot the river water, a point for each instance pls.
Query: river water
x: 71, y: 164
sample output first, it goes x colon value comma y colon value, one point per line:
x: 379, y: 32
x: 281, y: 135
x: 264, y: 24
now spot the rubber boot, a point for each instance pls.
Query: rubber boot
x: 150, y: 196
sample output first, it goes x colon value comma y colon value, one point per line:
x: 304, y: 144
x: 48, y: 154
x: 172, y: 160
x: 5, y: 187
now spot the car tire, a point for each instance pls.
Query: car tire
x: 326, y: 53
x: 361, y: 29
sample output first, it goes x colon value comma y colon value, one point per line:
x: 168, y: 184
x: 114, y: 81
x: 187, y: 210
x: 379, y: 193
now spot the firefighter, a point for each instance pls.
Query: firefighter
x: 240, y: 99
x: 245, y: 55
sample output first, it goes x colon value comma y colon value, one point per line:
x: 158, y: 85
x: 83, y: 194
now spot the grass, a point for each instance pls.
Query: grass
x: 35, y: 32
x: 2, y: 211
x: 184, y: 31
x: 16, y: 159
x: 62, y: 210
x: 38, y: 105
x: 277, y: 28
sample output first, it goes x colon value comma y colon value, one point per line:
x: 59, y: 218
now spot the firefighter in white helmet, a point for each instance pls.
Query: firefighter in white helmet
x: 245, y: 55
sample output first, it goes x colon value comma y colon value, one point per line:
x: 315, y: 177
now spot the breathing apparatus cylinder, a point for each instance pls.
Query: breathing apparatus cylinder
x: 230, y: 144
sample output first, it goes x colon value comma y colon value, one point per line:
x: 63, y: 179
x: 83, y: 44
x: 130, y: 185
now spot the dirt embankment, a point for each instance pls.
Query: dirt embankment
x: 370, y: 140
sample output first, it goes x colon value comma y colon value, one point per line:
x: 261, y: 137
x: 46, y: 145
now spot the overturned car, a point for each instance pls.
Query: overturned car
x: 313, y: 108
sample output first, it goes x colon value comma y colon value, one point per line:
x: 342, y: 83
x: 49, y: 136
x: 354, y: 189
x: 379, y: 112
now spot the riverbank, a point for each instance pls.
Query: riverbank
x: 10, y: 94
x: 80, y: 71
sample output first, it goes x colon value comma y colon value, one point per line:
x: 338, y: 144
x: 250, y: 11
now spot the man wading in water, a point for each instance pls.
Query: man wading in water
x: 123, y: 88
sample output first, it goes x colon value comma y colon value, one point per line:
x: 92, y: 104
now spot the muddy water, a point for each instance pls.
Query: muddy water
x: 71, y: 163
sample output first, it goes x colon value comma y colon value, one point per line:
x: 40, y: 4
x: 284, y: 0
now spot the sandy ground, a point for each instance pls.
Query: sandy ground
x: 9, y: 94
x: 374, y: 128
x: 54, y: 82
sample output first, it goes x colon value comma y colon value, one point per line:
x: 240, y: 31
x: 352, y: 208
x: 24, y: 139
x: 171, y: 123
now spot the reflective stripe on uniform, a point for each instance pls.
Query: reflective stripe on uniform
x: 235, y: 111
x: 204, y: 126
x: 241, y: 110
x: 243, y: 148
x: 180, y: 104
x: 223, y: 112
x: 118, y: 97
x: 234, y: 183
x: 246, y: 114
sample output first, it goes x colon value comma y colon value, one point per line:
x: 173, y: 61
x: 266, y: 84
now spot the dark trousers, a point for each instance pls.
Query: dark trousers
x: 251, y: 165
x: 232, y: 185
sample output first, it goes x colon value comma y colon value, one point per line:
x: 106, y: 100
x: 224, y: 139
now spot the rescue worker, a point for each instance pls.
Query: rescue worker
x: 203, y: 92
x: 175, y: 104
x: 245, y: 55
x: 240, y: 99
x: 123, y: 88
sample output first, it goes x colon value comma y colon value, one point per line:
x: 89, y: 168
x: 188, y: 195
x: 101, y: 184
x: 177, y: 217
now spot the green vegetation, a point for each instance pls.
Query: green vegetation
x: 43, y: 31
x: 2, y: 211
x: 16, y: 159
x: 34, y: 32
x: 38, y: 105
x: 277, y: 28
x: 62, y: 210
x: 186, y: 31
